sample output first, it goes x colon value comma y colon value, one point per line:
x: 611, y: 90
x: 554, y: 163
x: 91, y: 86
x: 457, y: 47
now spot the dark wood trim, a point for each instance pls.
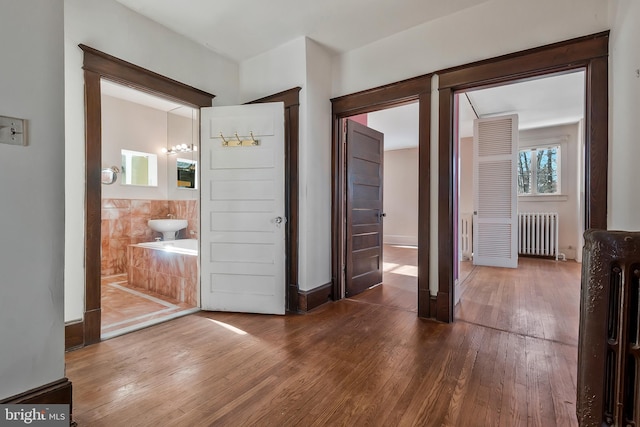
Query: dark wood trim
x: 424, y: 203
x: 597, y: 143
x: 93, y: 206
x: 291, y: 99
x: 131, y: 75
x: 308, y: 300
x: 57, y: 392
x: 73, y: 335
x: 589, y: 53
x: 387, y: 96
x: 445, y: 206
x: 552, y: 58
x: 432, y: 303
x: 382, y: 97
x: 98, y: 65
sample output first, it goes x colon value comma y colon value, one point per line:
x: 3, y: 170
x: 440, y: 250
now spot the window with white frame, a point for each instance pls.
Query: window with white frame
x: 539, y: 170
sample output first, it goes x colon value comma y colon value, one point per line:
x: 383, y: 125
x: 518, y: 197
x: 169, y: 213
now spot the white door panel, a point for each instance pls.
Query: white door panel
x: 257, y: 158
x: 243, y: 245
x: 495, y: 150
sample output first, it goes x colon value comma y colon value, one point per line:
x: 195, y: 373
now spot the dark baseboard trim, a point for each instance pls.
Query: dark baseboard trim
x: 92, y: 320
x: 432, y: 305
x: 74, y: 335
x: 57, y: 392
x: 308, y: 300
x: 292, y: 298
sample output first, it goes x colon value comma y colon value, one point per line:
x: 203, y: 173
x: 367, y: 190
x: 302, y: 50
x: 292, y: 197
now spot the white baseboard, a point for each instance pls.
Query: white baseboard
x: 392, y: 239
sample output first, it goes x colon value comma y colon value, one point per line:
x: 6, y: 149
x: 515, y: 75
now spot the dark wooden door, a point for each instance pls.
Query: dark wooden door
x: 364, y: 153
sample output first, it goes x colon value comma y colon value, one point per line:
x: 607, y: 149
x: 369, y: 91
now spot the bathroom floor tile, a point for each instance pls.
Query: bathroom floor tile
x: 124, y: 306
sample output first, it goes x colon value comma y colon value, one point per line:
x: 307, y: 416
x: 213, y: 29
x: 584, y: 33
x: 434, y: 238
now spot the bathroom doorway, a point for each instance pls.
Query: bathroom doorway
x: 98, y: 65
x: 149, y: 210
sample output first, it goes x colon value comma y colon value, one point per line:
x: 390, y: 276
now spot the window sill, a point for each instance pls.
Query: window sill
x: 543, y: 198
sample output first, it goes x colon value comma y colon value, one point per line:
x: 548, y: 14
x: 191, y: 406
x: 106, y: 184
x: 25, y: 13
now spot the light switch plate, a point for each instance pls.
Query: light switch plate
x: 13, y: 131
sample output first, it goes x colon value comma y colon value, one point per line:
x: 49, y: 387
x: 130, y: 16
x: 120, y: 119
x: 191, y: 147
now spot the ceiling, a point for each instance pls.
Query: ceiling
x: 241, y: 29
x: 539, y: 103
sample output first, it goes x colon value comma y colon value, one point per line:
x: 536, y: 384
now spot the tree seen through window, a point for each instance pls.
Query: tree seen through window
x: 541, y: 177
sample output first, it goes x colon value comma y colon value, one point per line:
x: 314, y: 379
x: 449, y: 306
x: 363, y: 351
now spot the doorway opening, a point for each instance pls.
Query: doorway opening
x: 149, y: 273
x: 99, y: 65
x: 588, y: 53
x: 542, y: 190
x: 415, y: 90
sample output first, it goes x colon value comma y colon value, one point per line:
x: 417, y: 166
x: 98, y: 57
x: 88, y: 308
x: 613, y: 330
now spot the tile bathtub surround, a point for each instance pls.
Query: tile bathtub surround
x: 124, y: 222
x: 169, y: 274
x: 189, y: 210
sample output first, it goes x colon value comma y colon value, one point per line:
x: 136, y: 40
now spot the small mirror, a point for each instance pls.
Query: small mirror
x: 187, y: 173
x: 139, y: 168
x: 109, y: 175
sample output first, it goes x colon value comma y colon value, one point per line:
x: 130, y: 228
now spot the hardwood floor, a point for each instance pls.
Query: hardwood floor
x: 541, y: 299
x: 351, y: 362
x: 399, y: 280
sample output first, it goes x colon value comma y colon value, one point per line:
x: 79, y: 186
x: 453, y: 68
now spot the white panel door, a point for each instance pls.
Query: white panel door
x: 242, y: 260
x: 495, y: 152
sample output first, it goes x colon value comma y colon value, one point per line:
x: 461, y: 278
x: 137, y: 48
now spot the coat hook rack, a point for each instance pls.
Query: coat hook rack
x: 239, y: 141
x: 224, y: 141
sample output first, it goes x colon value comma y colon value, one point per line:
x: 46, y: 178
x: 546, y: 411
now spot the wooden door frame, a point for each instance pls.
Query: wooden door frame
x: 98, y: 65
x: 416, y: 89
x: 589, y: 53
x: 291, y: 100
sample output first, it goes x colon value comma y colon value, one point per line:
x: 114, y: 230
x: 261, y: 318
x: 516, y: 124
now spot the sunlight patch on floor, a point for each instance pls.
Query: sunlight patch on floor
x: 229, y: 327
x: 388, y: 266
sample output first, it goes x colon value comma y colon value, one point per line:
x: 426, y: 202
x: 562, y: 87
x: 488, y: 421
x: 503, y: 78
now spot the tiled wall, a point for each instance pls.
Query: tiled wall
x: 124, y: 222
x: 170, y: 274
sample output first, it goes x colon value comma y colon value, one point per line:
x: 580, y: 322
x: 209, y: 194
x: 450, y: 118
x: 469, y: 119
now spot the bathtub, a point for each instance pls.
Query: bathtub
x: 168, y: 268
x: 180, y: 246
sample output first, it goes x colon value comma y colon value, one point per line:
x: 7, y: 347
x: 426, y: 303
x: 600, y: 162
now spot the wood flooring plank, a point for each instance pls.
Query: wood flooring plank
x: 508, y: 360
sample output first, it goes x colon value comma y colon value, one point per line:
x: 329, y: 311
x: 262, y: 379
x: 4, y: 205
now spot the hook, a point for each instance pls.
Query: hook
x: 252, y: 138
x: 224, y: 141
x: 238, y: 138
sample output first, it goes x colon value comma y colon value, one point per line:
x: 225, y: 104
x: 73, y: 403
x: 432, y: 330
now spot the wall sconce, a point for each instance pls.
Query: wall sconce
x: 181, y: 148
x: 109, y: 175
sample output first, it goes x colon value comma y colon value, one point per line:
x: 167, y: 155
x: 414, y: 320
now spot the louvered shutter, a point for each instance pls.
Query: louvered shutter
x: 495, y: 151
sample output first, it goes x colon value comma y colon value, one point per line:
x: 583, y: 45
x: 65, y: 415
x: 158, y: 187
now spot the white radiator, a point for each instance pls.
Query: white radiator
x: 466, y: 235
x: 538, y: 234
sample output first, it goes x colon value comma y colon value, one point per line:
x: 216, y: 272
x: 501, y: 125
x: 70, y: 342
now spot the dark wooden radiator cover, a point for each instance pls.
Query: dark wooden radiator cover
x: 608, y: 347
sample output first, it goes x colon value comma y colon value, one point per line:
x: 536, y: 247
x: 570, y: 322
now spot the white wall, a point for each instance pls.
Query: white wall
x: 130, y: 126
x: 275, y: 71
x: 491, y: 29
x: 303, y: 63
x: 401, y: 197
x: 315, y: 172
x: 624, y: 125
x: 567, y: 204
x: 110, y: 27
x: 32, y: 194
